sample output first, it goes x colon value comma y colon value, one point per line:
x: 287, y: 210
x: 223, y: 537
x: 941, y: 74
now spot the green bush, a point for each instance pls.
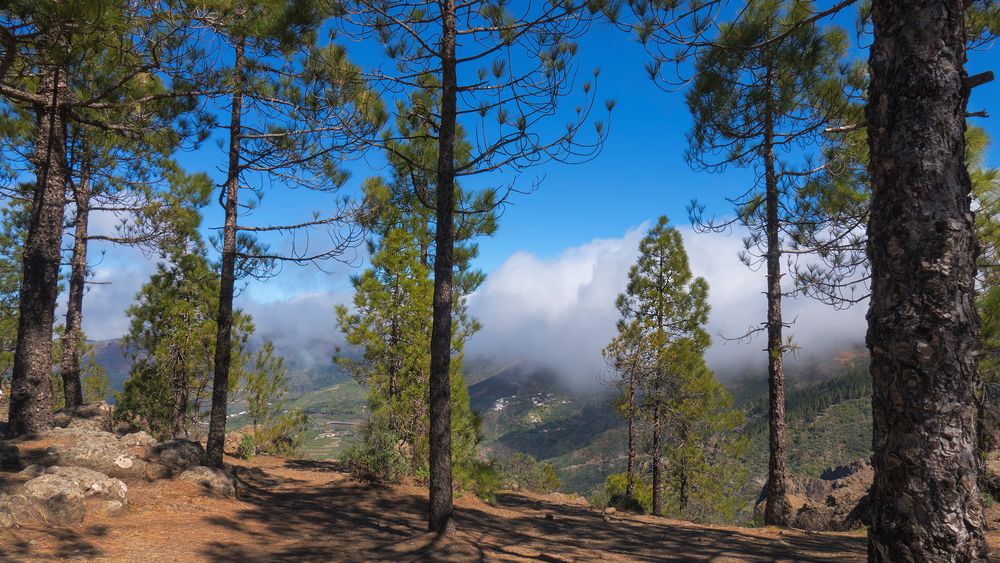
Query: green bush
x: 283, y: 435
x: 378, y: 461
x: 483, y: 479
x: 246, y: 449
x: 522, y: 472
x: 642, y: 500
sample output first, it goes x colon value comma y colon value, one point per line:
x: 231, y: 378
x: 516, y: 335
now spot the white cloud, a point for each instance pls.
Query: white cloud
x: 561, y: 312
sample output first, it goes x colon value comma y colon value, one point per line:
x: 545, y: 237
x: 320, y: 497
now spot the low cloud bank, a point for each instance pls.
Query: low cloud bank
x: 560, y: 311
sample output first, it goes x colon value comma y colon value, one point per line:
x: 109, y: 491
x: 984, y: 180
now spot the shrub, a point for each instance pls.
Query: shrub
x: 642, y: 500
x: 483, y: 479
x: 378, y: 461
x: 246, y: 449
x: 522, y: 472
x: 283, y: 434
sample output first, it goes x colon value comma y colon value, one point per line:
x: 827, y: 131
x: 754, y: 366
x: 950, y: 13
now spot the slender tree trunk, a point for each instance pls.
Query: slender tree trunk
x: 73, y: 334
x: 682, y: 473
x: 180, y: 404
x: 923, y: 329
x: 657, y: 458
x: 31, y: 379
x: 630, y: 471
x: 441, y: 517
x: 224, y: 337
x: 776, y: 510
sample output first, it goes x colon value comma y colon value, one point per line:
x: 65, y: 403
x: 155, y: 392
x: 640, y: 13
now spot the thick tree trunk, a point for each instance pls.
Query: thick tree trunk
x: 923, y: 330
x: 227, y: 274
x: 31, y: 380
x: 73, y: 334
x: 776, y: 510
x: 657, y: 459
x: 441, y: 517
x: 630, y: 471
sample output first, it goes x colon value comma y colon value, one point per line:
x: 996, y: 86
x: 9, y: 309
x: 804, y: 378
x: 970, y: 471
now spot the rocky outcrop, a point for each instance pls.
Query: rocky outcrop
x: 62, y: 497
x: 213, y: 481
x: 105, y: 496
x: 97, y: 450
x: 836, y: 501
x: 92, y: 416
x: 138, y: 442
x: 173, y: 458
x: 53, y: 500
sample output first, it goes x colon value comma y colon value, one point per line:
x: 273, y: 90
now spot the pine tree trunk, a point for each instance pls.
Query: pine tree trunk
x: 227, y: 279
x: 923, y: 329
x: 441, y: 517
x: 73, y: 334
x: 630, y: 471
x: 776, y: 510
x: 180, y: 404
x: 31, y: 379
x: 657, y: 459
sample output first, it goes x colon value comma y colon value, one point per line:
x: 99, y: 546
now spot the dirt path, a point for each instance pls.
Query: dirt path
x: 301, y: 510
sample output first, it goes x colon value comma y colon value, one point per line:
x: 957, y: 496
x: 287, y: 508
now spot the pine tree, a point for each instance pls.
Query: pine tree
x: 295, y: 108
x: 668, y: 306
x: 504, y: 79
x: 172, y: 333
x: 391, y: 318
x: 49, y: 69
x: 749, y: 107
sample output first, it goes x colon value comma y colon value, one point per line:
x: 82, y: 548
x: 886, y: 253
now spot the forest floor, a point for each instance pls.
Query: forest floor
x: 308, y: 510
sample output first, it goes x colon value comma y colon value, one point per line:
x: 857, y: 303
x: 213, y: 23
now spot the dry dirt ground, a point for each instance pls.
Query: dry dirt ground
x: 311, y: 511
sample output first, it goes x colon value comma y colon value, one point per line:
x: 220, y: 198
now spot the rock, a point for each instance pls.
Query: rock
x: 139, y: 442
x: 177, y: 455
x: 56, y: 500
x: 6, y: 518
x: 92, y: 416
x: 155, y: 471
x: 813, y: 517
x: 610, y: 510
x: 213, y: 480
x: 138, y: 439
x: 10, y: 456
x: 104, y: 495
x: 97, y: 450
x: 550, y: 516
x: 837, y: 501
x: 32, y: 471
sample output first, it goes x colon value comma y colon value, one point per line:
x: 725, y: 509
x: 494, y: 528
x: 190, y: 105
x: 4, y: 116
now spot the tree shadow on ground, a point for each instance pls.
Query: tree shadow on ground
x: 68, y: 543
x: 344, y: 521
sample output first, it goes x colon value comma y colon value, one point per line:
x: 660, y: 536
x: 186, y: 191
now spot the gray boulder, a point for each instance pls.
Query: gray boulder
x: 176, y: 456
x: 105, y: 496
x: 92, y: 416
x: 212, y: 480
x: 54, y: 500
x: 140, y: 442
x: 10, y: 456
x: 97, y: 450
x: 32, y: 471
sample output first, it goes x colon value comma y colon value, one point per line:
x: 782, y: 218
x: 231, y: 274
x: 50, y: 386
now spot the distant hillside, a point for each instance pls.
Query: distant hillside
x: 530, y: 410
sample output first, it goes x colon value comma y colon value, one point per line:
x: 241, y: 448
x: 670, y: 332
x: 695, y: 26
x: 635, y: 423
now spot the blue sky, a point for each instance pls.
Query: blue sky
x: 639, y: 175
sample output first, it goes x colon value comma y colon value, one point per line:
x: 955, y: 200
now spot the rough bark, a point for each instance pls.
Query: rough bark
x: 73, y: 333
x: 630, y: 470
x: 31, y: 379
x: 923, y: 330
x: 227, y: 274
x: 776, y: 510
x: 441, y: 518
x: 657, y: 459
